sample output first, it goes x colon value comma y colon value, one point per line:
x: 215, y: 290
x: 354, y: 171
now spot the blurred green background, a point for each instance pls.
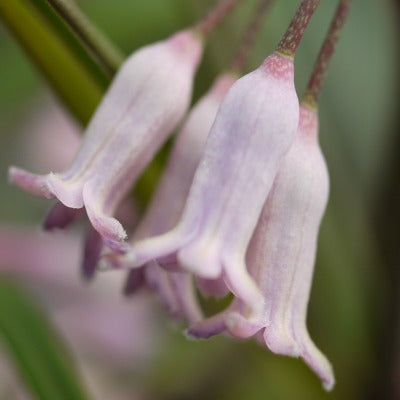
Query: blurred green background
x: 354, y: 309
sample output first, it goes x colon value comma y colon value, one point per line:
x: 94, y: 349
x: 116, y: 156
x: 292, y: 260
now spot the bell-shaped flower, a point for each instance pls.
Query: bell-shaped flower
x: 281, y: 256
x: 176, y: 288
x: 254, y: 129
x: 145, y: 102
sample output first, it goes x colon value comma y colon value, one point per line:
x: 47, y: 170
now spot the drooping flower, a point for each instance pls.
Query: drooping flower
x: 281, y: 256
x: 146, y: 101
x: 176, y: 288
x: 170, y: 196
x: 254, y: 128
x: 282, y: 252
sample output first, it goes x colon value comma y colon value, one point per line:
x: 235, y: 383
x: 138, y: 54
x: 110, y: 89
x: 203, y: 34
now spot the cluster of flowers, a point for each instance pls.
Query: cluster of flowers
x: 241, y: 199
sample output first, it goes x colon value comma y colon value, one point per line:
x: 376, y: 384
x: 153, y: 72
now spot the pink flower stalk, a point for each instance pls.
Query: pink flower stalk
x: 281, y: 256
x: 176, y: 288
x: 146, y: 101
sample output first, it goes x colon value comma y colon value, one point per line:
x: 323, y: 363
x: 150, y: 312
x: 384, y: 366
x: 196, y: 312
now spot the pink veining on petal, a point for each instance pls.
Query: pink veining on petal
x: 135, y: 117
x: 32, y: 183
x: 254, y: 129
x: 281, y: 257
x: 169, y: 199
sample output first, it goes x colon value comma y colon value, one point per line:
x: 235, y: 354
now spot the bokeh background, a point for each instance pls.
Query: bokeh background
x: 354, y: 309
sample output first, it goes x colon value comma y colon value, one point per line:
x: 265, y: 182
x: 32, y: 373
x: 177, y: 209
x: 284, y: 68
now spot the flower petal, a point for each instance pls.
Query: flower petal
x: 135, y: 117
x: 135, y: 280
x: 109, y: 228
x: 60, y: 216
x: 253, y: 130
x: 212, y: 287
x: 91, y: 253
x: 32, y: 183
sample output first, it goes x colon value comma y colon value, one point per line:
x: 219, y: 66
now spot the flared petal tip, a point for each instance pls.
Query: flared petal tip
x: 241, y: 327
x: 110, y: 229
x: 279, y: 342
x: 196, y: 259
x: 329, y: 383
x: 70, y: 194
x: 119, y: 260
x: 317, y: 361
x: 32, y: 183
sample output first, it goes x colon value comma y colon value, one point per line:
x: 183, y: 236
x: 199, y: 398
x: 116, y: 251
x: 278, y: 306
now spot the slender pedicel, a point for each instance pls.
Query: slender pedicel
x: 314, y: 87
x: 213, y: 19
x: 293, y: 35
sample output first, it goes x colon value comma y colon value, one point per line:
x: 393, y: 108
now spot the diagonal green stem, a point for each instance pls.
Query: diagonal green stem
x: 73, y: 42
x: 41, y: 357
x: 68, y: 76
x: 103, y: 49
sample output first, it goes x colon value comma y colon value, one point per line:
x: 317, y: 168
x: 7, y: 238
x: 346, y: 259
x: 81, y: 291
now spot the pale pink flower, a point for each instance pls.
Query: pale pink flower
x: 176, y: 288
x: 254, y: 128
x: 281, y: 256
x: 147, y: 99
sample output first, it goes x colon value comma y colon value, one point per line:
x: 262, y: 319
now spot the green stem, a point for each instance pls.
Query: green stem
x: 103, y: 49
x: 74, y: 84
x: 42, y: 359
x: 73, y: 42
